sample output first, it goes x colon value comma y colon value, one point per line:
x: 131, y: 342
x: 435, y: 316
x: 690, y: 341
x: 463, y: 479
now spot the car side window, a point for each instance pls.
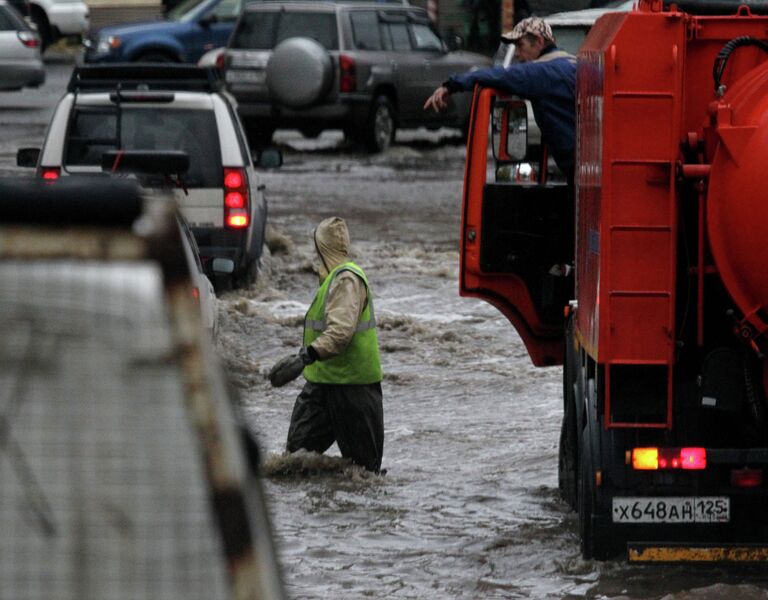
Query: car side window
x: 6, y: 23
x: 365, y: 30
x: 425, y: 38
x: 401, y: 41
x: 227, y: 10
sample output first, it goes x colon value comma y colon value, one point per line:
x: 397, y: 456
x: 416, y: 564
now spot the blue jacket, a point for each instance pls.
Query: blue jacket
x: 549, y: 82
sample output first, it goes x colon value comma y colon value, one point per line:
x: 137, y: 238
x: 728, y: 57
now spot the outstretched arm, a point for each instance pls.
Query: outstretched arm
x: 438, y: 100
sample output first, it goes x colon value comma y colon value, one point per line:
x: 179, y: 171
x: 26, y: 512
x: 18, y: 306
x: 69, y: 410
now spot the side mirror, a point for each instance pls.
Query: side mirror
x: 510, y: 131
x: 269, y: 158
x: 27, y: 157
x: 208, y: 20
x: 223, y: 266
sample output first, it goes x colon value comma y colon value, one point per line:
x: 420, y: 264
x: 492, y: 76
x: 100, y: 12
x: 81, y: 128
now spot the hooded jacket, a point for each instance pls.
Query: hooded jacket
x: 347, y: 295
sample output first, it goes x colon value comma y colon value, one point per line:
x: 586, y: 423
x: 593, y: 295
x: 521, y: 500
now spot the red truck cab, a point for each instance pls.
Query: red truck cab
x: 662, y: 330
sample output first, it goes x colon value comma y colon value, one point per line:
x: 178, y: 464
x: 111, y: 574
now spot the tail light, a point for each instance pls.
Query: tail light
x: 746, y: 477
x: 220, y: 60
x: 651, y: 459
x: 28, y: 38
x: 50, y: 173
x: 196, y: 293
x: 236, y: 198
x: 347, y: 73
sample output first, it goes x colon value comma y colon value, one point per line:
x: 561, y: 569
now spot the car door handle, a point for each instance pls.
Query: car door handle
x: 261, y: 187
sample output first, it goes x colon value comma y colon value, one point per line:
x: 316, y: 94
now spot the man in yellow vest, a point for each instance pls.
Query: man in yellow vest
x: 341, y: 401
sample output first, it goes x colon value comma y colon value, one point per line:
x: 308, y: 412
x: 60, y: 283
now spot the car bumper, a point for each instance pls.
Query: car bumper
x: 216, y: 242
x: 14, y: 76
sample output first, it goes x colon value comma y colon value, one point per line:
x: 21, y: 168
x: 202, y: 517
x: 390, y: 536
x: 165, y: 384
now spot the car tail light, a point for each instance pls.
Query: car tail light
x: 651, y: 459
x: 220, y: 60
x: 746, y: 477
x: 50, y: 173
x: 196, y: 293
x: 347, y: 74
x: 236, y: 198
x: 28, y: 38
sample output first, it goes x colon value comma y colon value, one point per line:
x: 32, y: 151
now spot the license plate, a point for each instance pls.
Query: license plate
x: 246, y: 76
x: 685, y: 509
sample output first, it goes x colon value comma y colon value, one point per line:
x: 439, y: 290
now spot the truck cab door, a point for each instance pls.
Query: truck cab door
x: 517, y: 228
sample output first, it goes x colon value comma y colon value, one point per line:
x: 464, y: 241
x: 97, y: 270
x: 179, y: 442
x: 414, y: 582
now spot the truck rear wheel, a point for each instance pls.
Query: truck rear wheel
x: 596, y: 539
x: 567, y: 463
x: 567, y: 467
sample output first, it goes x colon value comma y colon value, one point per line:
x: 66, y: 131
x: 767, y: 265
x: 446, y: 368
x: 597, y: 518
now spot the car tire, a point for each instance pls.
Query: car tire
x: 155, y: 57
x: 299, y: 72
x: 40, y: 20
x: 379, y: 131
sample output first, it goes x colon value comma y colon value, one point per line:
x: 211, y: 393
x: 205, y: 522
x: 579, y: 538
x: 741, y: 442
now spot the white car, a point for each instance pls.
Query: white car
x: 166, y: 107
x: 20, y: 63
x: 202, y: 288
x: 59, y: 18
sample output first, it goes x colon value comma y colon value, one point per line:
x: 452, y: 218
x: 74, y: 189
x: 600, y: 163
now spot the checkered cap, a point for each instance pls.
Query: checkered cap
x: 534, y: 25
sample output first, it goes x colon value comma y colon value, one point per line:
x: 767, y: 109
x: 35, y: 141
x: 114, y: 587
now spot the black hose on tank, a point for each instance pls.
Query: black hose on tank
x: 722, y: 57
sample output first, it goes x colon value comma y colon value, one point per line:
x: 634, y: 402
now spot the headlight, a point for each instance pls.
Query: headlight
x: 107, y: 44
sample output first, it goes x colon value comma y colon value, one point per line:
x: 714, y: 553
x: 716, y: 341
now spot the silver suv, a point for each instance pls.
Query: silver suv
x: 361, y: 67
x: 129, y: 107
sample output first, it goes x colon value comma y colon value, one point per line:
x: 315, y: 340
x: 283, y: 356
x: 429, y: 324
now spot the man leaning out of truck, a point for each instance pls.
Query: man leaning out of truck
x: 545, y: 75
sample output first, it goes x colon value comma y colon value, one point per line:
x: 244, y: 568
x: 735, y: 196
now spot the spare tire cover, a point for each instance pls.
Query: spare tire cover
x: 299, y: 72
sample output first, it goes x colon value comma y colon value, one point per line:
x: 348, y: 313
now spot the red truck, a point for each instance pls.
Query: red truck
x: 661, y: 329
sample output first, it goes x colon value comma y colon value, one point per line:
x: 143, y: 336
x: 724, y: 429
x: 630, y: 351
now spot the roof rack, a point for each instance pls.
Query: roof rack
x: 144, y: 76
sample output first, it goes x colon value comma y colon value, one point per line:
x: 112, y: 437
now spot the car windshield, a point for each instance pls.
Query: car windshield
x: 93, y: 131
x: 181, y: 11
x: 263, y: 30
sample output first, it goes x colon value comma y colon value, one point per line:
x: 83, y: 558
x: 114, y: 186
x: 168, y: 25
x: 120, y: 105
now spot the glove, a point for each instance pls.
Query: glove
x: 289, y: 368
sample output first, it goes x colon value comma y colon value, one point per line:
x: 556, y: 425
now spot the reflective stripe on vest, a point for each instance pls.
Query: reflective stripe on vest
x: 359, y: 363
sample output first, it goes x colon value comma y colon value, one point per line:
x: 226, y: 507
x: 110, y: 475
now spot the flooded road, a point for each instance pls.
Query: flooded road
x: 469, y: 507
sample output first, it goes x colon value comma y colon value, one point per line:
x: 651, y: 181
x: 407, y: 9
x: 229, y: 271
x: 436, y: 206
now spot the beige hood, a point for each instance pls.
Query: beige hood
x: 332, y: 244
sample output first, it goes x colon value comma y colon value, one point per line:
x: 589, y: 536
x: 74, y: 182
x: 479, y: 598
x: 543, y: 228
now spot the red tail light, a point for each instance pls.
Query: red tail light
x: 28, y: 38
x: 746, y: 477
x: 220, y: 60
x: 196, y: 293
x: 236, y: 198
x: 651, y: 459
x: 50, y: 173
x: 347, y: 74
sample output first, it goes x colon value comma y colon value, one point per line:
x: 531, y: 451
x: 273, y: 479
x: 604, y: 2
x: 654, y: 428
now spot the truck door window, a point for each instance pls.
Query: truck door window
x: 509, y: 128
